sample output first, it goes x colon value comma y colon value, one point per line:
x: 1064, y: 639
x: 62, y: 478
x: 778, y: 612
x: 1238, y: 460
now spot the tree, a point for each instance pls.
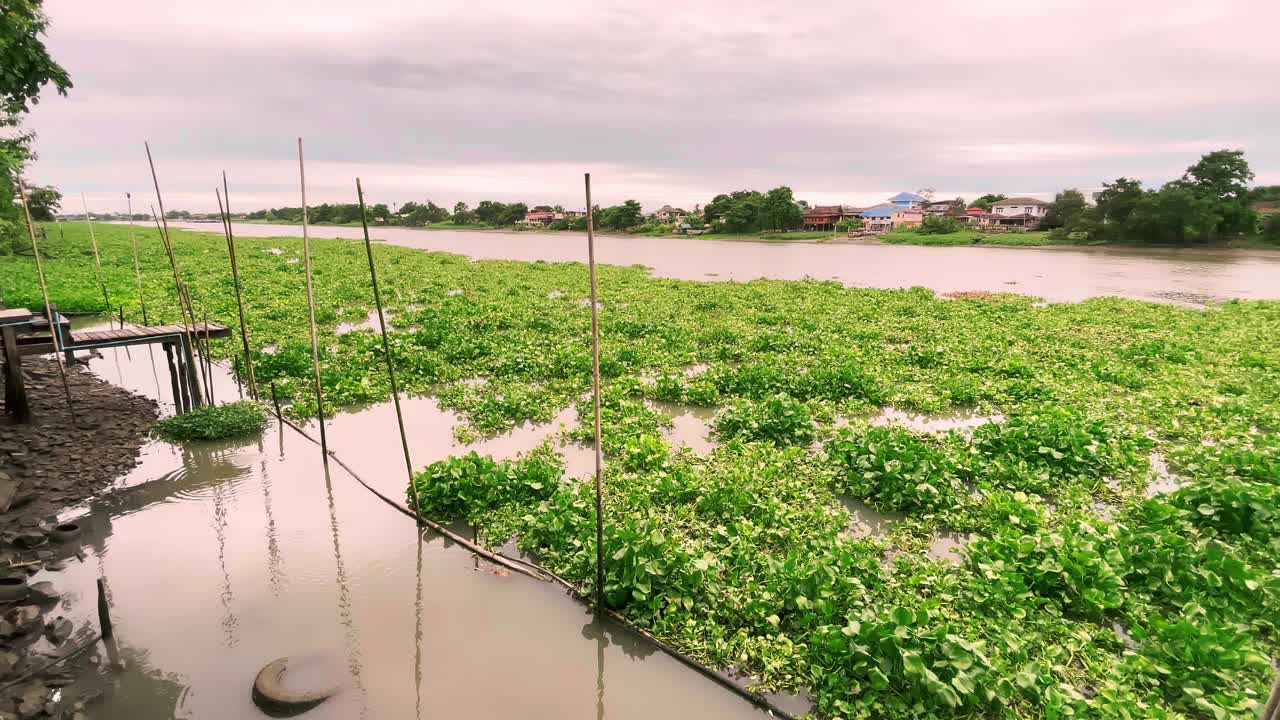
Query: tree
x: 44, y: 201
x: 462, y: 214
x: 25, y: 69
x: 1066, y: 210
x: 778, y: 210
x: 488, y: 211
x: 620, y: 217
x: 986, y: 201
x: 849, y: 224
x: 1116, y: 204
x: 512, y: 214
x: 939, y: 225
x: 380, y: 212
x: 926, y: 193
x: 1222, y: 178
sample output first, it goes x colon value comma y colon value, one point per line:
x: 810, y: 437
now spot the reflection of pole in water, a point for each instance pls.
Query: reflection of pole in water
x: 344, y: 597
x: 600, y: 672
x: 417, y: 637
x: 229, y: 623
x: 152, y: 354
x: 273, y: 544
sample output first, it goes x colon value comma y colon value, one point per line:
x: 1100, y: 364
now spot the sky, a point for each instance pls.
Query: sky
x: 661, y: 101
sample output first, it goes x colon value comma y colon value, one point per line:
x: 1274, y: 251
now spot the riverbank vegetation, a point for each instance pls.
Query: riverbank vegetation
x: 1112, y: 516
x: 214, y: 422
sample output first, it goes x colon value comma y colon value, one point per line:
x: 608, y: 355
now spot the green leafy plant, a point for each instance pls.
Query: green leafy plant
x: 779, y: 419
x: 214, y: 422
x: 893, y: 468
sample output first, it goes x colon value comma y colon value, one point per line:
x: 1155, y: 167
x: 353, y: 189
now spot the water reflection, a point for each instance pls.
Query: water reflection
x: 344, y: 594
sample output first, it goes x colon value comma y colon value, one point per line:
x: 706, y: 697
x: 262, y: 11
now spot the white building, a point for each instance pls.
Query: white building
x: 1020, y: 206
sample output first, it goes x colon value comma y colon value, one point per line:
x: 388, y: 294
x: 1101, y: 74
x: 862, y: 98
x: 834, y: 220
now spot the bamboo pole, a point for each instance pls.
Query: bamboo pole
x: 235, y: 279
x: 97, y: 259
x: 163, y: 225
x: 386, y: 350
x: 595, y: 390
x: 44, y: 292
x: 137, y: 269
x: 208, y: 359
x: 311, y: 306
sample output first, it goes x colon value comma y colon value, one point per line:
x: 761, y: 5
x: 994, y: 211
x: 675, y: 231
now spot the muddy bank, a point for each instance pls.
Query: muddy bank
x: 47, y: 466
x: 53, y: 463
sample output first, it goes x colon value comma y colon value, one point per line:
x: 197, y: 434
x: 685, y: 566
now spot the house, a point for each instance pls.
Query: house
x: 971, y: 216
x: 666, y: 214
x: 883, y: 218
x: 823, y: 217
x: 942, y: 207
x: 539, y: 217
x: 911, y: 201
x: 1024, y: 212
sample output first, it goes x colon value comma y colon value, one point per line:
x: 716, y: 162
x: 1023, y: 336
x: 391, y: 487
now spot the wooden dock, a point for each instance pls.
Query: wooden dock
x: 25, y: 333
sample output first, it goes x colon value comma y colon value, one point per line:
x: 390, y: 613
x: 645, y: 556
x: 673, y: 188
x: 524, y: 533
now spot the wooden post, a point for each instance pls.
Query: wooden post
x: 15, y: 392
x: 97, y: 259
x: 208, y: 360
x: 173, y: 378
x: 54, y: 336
x: 104, y: 611
x: 595, y: 389
x: 235, y: 281
x: 275, y: 400
x: 193, y: 381
x: 311, y: 307
x: 386, y: 350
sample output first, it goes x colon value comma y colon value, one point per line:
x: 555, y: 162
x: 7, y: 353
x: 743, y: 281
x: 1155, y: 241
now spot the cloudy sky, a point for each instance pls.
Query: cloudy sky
x: 665, y: 102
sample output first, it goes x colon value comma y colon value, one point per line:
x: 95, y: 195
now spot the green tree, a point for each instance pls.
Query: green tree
x: 1066, y: 210
x: 986, y: 201
x: 849, y: 224
x: 1222, y: 178
x: 620, y: 217
x: 489, y: 211
x: 462, y: 214
x: 44, y: 201
x: 380, y: 212
x: 779, y: 211
x: 1116, y: 204
x: 25, y: 68
x: 939, y: 225
x: 512, y: 214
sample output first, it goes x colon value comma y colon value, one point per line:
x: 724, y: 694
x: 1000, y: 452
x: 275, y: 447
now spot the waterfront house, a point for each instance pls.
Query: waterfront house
x: 884, y: 218
x: 823, y: 217
x: 943, y: 207
x: 910, y: 201
x: 666, y: 214
x: 539, y: 217
x: 1023, y: 212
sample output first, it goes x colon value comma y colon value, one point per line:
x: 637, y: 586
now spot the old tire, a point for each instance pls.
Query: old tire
x: 13, y: 589
x: 270, y: 694
x: 65, y: 532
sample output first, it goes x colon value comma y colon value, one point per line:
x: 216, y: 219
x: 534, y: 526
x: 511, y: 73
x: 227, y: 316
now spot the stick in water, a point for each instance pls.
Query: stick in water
x: 386, y: 349
x: 44, y: 292
x: 97, y: 260
x: 311, y: 307
x: 595, y: 389
x: 235, y: 279
x: 137, y: 269
x: 162, y: 224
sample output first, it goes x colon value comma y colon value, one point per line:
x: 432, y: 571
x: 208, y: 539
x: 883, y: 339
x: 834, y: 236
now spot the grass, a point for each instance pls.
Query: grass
x: 214, y: 422
x: 744, y: 557
x: 968, y: 237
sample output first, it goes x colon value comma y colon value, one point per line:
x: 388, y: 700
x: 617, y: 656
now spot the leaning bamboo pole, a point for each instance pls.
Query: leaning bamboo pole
x: 311, y: 306
x: 137, y: 269
x: 235, y: 279
x: 595, y: 391
x: 97, y: 259
x: 386, y: 349
x: 188, y: 317
x: 44, y: 292
x: 183, y: 309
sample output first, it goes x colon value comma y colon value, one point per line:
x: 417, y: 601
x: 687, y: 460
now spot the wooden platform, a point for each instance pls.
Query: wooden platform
x: 142, y: 334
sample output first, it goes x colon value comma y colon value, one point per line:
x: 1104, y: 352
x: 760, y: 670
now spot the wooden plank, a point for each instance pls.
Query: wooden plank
x: 15, y: 393
x: 15, y: 316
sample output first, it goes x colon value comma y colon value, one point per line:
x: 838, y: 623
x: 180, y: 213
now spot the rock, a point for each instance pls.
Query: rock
x: 8, y: 487
x: 20, y: 621
x: 58, y: 630
x: 43, y: 592
x: 56, y: 566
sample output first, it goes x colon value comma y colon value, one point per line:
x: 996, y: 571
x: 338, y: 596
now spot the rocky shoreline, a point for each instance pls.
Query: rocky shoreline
x: 46, y: 467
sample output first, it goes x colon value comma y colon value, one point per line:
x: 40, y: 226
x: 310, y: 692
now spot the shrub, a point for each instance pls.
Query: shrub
x: 779, y: 419
x: 893, y: 469
x: 466, y: 485
x: 214, y: 422
x: 939, y: 225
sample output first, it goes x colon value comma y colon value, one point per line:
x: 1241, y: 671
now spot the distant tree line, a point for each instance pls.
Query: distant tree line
x: 1211, y: 202
x: 751, y: 211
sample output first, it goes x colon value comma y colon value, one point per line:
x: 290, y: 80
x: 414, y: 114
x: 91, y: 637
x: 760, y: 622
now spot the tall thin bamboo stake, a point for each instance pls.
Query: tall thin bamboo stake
x: 189, y: 319
x: 97, y: 259
x: 44, y: 292
x: 137, y: 269
x: 208, y: 358
x: 311, y: 307
x: 386, y: 349
x: 595, y: 390
x: 235, y: 280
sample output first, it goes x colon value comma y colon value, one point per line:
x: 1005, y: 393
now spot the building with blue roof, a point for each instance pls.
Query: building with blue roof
x: 908, y: 200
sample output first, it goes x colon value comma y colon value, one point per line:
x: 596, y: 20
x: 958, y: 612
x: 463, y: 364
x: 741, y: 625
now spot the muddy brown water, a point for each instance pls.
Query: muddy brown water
x: 1066, y: 274
x: 224, y: 556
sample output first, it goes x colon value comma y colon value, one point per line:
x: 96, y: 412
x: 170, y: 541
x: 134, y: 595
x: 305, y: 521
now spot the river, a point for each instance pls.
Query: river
x: 221, y: 557
x: 1061, y: 274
